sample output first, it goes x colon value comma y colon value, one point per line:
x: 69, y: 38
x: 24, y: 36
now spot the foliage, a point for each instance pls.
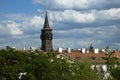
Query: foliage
x: 115, y: 72
x: 111, y: 59
x: 112, y: 63
x: 82, y: 71
x: 40, y: 66
x: 91, y: 48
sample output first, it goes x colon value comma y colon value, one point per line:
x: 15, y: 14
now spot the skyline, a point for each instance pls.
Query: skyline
x: 75, y: 24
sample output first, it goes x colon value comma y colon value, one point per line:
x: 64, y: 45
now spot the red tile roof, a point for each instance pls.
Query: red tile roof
x: 88, y: 57
x: 117, y: 54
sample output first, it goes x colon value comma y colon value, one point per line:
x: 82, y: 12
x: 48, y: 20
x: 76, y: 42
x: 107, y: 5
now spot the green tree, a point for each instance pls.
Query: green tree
x: 40, y: 66
x: 111, y: 59
x: 115, y: 72
x: 112, y: 63
x: 11, y: 63
x: 61, y: 69
x: 82, y: 71
x: 91, y: 48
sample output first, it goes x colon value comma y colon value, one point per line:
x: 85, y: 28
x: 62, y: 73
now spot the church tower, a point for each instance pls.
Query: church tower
x: 46, y: 36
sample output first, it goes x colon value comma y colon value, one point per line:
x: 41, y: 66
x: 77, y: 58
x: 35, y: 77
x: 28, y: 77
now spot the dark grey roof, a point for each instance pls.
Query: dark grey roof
x: 46, y: 23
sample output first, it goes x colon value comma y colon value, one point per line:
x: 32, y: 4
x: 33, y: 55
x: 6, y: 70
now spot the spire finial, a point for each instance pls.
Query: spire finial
x: 46, y: 9
x: 46, y: 24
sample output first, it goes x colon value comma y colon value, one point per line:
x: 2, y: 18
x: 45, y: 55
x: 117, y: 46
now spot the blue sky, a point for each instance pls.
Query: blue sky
x: 75, y: 24
x: 17, y: 6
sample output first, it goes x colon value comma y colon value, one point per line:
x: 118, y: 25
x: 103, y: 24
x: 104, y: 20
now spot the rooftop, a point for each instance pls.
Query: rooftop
x: 87, y: 57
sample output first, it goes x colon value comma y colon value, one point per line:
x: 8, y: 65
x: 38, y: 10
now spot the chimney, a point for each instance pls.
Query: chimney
x: 23, y: 48
x: 69, y: 50
x: 103, y: 50
x: 83, y: 50
x: 96, y: 51
x: 87, y: 51
x: 60, y: 50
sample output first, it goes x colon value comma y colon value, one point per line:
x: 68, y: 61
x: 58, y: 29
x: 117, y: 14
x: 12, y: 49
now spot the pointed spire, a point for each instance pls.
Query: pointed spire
x: 46, y: 23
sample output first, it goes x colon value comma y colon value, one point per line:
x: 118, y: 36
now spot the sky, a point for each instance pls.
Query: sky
x: 75, y: 23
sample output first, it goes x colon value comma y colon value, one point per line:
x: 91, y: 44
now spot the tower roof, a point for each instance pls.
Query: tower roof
x: 46, y: 23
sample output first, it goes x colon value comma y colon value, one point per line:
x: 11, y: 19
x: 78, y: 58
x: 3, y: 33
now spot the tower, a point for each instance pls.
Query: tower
x: 46, y: 36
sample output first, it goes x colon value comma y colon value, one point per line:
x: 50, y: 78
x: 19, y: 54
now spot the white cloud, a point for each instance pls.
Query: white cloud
x: 60, y: 4
x: 109, y: 14
x: 100, y: 37
x: 75, y: 43
x: 33, y: 24
x: 86, y: 17
x: 36, y: 21
x: 26, y: 22
x: 17, y: 16
x: 14, y: 28
x: 100, y: 33
x: 72, y: 16
x: 72, y: 4
x: 82, y: 31
x: 40, y: 11
x: 10, y: 28
x: 117, y: 44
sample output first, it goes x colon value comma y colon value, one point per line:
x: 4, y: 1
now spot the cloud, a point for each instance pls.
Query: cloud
x: 79, y: 4
x: 71, y: 16
x: 83, y: 37
x: 33, y: 24
x: 21, y: 34
x: 100, y: 32
x: 75, y: 24
x: 61, y: 4
x: 10, y: 28
x: 75, y: 43
x: 20, y: 29
x: 16, y: 16
x: 117, y: 44
x: 94, y: 17
x: 109, y: 14
x: 27, y: 23
x: 71, y: 4
x: 35, y: 21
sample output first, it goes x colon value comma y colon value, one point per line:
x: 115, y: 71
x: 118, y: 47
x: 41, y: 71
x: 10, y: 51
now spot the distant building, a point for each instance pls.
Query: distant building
x: 96, y: 57
x: 46, y: 36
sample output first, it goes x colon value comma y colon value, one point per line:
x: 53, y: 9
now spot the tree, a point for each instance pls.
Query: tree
x: 82, y: 71
x: 115, y: 72
x: 111, y: 59
x: 40, y: 66
x: 112, y: 63
x: 61, y: 69
x: 91, y: 47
